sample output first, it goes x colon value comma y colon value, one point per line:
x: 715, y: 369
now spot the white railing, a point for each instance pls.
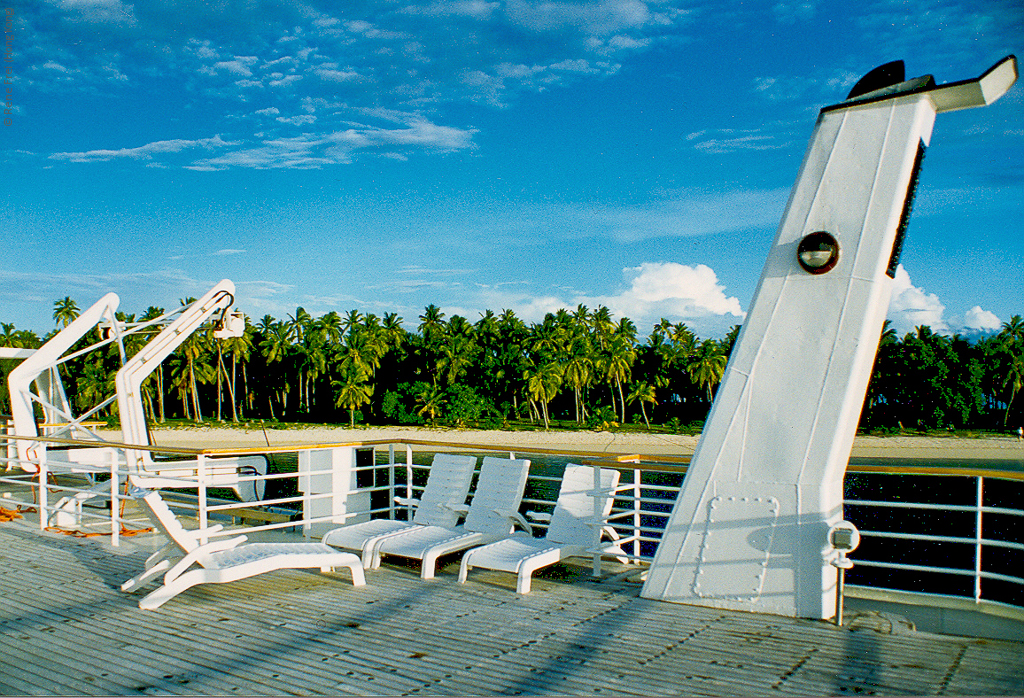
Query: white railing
x: 304, y: 496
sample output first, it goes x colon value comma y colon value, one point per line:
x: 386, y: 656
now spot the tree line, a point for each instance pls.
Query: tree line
x: 580, y: 367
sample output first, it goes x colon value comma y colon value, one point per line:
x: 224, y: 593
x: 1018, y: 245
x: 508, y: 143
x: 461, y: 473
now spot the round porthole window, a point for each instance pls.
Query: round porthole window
x: 818, y: 252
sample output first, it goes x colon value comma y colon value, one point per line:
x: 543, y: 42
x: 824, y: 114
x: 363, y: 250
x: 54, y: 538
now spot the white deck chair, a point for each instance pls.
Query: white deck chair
x: 490, y: 516
x: 440, y: 504
x: 222, y: 560
x: 573, y: 529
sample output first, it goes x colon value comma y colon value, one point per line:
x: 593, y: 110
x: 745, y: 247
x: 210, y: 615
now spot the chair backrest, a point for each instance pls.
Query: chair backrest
x: 447, y: 485
x: 576, y: 505
x: 165, y: 520
x: 498, y: 489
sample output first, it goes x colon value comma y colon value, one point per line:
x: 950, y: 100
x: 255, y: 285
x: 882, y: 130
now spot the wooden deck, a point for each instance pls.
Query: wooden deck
x: 69, y: 630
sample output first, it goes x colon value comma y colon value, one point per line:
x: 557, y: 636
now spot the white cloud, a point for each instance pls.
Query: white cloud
x: 100, y: 11
x: 982, y: 321
x: 911, y: 306
x: 730, y: 140
x: 143, y: 152
x: 309, y: 151
x: 671, y: 289
x: 654, y: 290
x: 476, y: 9
x: 239, y: 65
x: 604, y: 17
x: 297, y: 120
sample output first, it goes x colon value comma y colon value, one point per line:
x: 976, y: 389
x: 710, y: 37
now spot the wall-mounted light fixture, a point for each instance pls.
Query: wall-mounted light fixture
x: 818, y: 252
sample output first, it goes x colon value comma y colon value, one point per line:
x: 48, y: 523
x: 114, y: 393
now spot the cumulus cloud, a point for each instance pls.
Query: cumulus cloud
x: 652, y: 290
x: 671, y: 289
x: 911, y: 306
x: 981, y: 321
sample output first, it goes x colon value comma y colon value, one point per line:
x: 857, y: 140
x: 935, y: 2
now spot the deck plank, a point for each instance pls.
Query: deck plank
x: 72, y: 631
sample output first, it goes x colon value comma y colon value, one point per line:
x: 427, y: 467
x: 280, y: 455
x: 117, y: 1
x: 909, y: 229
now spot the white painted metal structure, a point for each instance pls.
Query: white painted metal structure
x: 36, y: 381
x: 235, y: 472
x: 749, y: 528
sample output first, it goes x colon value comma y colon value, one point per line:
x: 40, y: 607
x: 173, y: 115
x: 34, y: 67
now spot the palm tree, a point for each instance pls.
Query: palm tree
x: 352, y: 392
x: 1011, y: 338
x: 239, y: 349
x: 618, y: 364
x: 456, y: 357
x: 578, y: 371
x: 432, y: 399
x: 65, y: 311
x: 707, y: 366
x: 275, y: 346
x: 432, y: 324
x: 643, y: 393
x: 542, y: 385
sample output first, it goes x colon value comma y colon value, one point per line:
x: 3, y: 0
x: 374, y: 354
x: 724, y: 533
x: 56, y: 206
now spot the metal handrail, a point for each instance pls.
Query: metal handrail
x: 634, y: 515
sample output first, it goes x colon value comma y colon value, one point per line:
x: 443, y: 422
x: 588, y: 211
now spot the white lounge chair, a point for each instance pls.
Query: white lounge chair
x: 222, y: 560
x: 491, y: 515
x: 573, y: 529
x: 440, y: 504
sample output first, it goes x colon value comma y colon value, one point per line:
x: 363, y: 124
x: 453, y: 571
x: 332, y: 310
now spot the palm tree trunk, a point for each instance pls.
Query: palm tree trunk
x: 234, y: 400
x: 220, y: 383
x: 195, y: 391
x: 160, y: 391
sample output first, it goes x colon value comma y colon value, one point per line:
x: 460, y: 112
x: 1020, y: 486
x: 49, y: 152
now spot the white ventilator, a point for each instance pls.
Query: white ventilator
x: 750, y: 526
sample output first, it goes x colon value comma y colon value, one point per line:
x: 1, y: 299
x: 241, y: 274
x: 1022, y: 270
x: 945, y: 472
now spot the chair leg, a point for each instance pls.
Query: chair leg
x: 429, y: 566
x: 138, y: 579
x: 358, y: 578
x: 464, y: 569
x: 524, y: 580
x: 156, y: 599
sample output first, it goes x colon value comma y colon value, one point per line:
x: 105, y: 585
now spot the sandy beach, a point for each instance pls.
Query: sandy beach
x: 932, y: 447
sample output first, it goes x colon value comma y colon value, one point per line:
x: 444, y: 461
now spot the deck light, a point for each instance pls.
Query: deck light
x: 842, y: 538
x: 818, y: 252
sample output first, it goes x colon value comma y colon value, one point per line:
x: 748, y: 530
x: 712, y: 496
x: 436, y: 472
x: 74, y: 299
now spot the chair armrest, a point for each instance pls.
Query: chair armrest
x: 541, y: 516
x: 516, y: 518
x: 457, y: 508
x: 407, y: 502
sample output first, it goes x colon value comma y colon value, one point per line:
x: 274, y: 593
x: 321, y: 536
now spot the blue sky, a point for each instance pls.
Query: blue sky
x: 522, y: 154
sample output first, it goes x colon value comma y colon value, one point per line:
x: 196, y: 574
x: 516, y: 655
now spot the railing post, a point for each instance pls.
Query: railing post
x: 636, y: 512
x: 408, y: 471
x: 115, y: 509
x: 598, y: 498
x: 44, y: 507
x: 201, y: 476
x: 391, y: 481
x: 978, y: 538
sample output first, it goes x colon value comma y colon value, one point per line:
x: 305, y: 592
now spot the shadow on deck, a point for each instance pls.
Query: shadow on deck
x: 71, y: 631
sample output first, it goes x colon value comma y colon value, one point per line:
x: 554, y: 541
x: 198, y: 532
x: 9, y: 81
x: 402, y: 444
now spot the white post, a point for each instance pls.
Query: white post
x: 115, y: 510
x: 201, y: 476
x: 44, y: 473
x: 391, y: 481
x: 978, y: 537
x: 636, y: 512
x: 595, y: 518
